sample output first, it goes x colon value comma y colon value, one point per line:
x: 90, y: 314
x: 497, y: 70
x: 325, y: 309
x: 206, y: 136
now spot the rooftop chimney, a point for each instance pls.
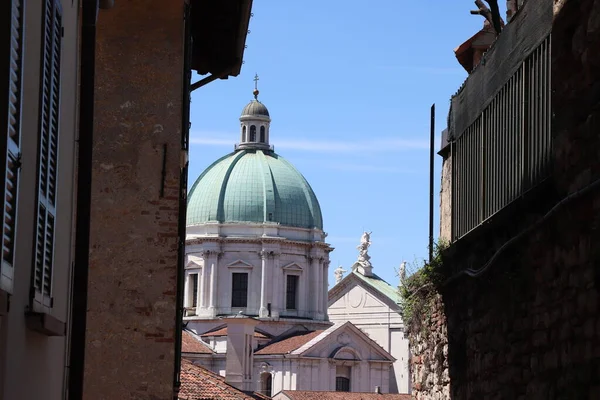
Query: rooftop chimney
x: 378, y: 389
x: 239, y: 357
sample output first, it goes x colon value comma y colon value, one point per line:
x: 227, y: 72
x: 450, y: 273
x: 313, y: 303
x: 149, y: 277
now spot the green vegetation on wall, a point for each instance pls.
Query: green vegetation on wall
x: 419, y: 290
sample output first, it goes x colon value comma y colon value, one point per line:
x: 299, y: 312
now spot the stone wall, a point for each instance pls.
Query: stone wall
x: 529, y: 327
x: 429, y: 351
x: 130, y: 350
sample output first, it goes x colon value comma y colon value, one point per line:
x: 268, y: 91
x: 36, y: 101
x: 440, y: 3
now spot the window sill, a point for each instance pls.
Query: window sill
x: 45, y: 323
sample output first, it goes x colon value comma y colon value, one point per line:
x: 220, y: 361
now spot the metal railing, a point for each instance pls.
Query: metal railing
x: 507, y: 150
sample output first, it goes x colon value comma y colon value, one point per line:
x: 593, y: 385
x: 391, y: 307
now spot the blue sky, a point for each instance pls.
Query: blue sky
x: 349, y: 85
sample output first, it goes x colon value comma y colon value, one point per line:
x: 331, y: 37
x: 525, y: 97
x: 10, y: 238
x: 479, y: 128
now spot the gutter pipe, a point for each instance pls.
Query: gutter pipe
x: 183, y: 181
x: 84, y: 194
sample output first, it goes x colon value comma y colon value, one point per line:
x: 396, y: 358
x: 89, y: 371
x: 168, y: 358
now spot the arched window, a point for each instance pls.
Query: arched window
x: 342, y: 378
x: 342, y: 384
x: 252, y: 133
x: 262, y: 134
x: 244, y: 134
x: 266, y: 384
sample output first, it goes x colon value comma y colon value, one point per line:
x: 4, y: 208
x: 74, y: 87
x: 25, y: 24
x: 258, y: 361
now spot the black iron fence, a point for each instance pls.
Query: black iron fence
x: 507, y: 150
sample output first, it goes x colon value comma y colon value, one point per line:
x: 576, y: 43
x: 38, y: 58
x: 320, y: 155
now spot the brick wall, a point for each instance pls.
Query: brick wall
x: 133, y: 265
x: 528, y: 328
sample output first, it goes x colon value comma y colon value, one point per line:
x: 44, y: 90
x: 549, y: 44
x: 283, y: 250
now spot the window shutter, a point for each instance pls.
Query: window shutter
x: 10, y: 119
x: 48, y: 151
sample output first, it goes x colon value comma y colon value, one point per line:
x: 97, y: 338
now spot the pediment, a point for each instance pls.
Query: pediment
x: 194, y: 261
x: 292, y: 267
x: 240, y: 264
x: 346, y: 342
x: 353, y: 293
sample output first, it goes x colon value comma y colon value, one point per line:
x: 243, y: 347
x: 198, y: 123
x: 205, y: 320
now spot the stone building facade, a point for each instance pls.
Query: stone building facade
x: 520, y: 300
x: 374, y: 306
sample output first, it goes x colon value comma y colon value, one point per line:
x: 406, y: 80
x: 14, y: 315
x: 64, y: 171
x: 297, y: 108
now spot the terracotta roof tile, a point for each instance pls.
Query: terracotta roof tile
x: 223, y: 332
x: 317, y: 395
x: 190, y: 344
x: 198, y: 383
x: 289, y: 344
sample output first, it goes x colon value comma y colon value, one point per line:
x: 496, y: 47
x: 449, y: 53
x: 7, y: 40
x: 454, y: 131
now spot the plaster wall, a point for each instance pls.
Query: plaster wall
x: 33, y: 365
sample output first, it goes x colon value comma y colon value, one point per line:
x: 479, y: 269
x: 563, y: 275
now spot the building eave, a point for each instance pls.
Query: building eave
x: 219, y: 30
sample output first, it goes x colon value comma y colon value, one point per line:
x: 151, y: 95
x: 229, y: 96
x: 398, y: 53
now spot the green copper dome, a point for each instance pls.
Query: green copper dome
x: 253, y: 186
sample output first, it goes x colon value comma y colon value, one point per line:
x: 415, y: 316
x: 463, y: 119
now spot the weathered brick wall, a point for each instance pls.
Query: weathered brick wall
x: 133, y: 265
x: 529, y: 327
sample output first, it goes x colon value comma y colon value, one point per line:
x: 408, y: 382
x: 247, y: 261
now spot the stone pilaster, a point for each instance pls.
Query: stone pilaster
x: 277, y: 286
x: 263, y: 312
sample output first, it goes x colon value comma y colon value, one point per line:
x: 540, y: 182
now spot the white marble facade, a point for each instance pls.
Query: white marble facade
x: 268, y: 256
x: 371, y: 304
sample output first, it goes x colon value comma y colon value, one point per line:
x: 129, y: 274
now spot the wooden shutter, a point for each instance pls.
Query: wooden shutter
x: 11, y: 15
x: 48, y: 151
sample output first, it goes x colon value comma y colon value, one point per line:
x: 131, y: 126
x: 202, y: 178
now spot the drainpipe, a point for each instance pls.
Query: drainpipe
x: 84, y: 192
x: 183, y: 178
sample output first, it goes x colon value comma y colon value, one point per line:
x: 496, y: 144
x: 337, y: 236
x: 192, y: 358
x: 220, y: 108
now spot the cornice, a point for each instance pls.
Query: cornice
x: 258, y: 240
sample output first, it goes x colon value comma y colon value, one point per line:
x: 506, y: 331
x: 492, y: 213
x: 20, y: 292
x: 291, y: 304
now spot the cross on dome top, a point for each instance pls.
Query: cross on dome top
x: 256, y: 92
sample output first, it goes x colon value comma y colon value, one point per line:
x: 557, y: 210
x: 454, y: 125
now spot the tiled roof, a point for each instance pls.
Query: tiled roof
x: 223, y: 332
x: 317, y: 395
x: 198, y: 383
x: 289, y: 344
x: 190, y: 344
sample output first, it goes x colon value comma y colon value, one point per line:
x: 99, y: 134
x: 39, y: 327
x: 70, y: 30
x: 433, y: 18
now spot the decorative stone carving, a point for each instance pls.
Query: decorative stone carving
x: 207, y: 253
x: 265, y: 367
x: 343, y: 338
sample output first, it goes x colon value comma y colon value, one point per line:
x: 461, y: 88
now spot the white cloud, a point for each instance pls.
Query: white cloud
x: 324, y: 146
x: 362, y: 167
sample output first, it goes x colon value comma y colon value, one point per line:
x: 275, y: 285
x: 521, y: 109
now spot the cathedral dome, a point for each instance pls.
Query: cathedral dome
x: 253, y: 186
x: 255, y: 109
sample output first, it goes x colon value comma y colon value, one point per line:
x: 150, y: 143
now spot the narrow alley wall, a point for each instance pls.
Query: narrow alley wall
x: 429, y: 354
x: 130, y: 350
x: 529, y: 327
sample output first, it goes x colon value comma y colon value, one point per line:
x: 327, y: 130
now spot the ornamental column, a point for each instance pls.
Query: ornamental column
x: 319, y: 288
x: 214, y: 266
x: 314, y: 282
x: 263, y: 312
x: 325, y: 299
x: 201, y: 301
x: 276, y: 286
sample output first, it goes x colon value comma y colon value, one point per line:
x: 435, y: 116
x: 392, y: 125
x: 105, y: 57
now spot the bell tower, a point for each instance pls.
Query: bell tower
x: 254, y: 123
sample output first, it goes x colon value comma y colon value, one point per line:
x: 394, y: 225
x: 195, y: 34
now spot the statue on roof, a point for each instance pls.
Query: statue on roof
x: 363, y: 249
x: 339, y: 274
x: 402, y: 272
